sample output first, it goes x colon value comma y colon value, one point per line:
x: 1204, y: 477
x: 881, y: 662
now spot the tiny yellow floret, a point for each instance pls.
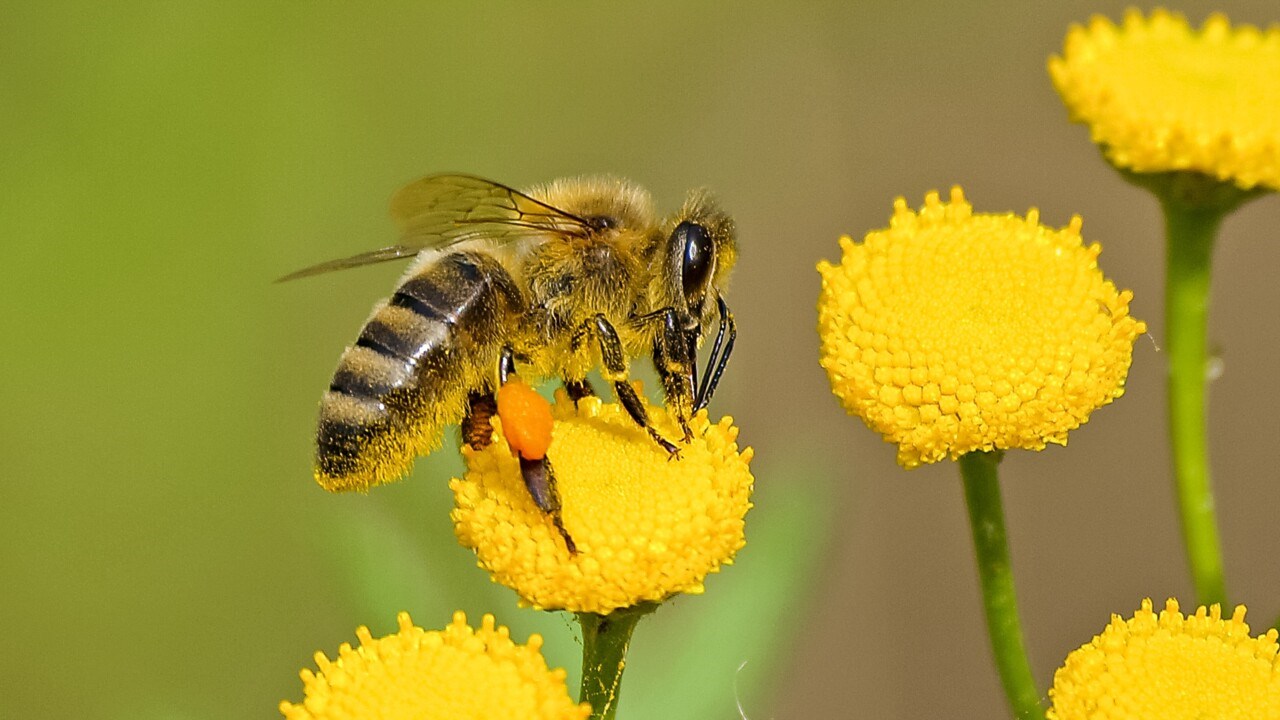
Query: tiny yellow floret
x: 454, y: 674
x: 950, y: 332
x: 1171, y: 667
x: 646, y: 525
x: 1159, y: 96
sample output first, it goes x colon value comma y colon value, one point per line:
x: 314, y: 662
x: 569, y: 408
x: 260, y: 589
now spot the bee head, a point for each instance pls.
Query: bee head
x: 701, y: 248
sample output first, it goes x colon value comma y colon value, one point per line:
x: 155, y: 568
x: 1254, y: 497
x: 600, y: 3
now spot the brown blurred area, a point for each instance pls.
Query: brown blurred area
x: 148, y: 189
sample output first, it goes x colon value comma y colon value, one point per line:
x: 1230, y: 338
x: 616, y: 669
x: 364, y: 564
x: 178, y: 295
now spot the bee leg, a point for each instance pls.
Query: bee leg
x: 506, y: 364
x: 579, y: 389
x: 540, y: 481
x: 675, y: 358
x: 615, y: 371
x: 539, y: 478
x: 477, y: 431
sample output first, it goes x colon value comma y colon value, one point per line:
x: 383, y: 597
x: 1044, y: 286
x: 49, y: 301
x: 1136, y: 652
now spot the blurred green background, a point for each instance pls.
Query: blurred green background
x: 163, y: 550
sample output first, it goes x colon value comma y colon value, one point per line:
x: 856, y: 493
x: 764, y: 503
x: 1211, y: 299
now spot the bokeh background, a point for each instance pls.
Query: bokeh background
x: 163, y: 550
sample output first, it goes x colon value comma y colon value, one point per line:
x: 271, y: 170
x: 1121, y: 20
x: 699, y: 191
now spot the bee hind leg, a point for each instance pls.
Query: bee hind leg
x: 540, y: 481
x: 539, y: 478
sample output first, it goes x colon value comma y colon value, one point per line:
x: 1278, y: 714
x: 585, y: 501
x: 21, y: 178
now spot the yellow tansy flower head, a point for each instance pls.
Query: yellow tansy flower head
x: 951, y: 332
x: 1159, y: 96
x: 646, y: 526
x: 1171, y: 667
x: 455, y: 674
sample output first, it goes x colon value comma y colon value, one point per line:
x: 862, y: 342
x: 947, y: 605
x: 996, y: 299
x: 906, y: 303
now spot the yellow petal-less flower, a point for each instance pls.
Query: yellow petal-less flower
x: 950, y: 332
x: 1171, y: 667
x: 456, y: 674
x: 1159, y: 96
x: 646, y: 526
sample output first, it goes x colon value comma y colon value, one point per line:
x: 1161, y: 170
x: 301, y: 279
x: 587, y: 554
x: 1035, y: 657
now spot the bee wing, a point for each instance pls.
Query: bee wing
x: 441, y: 210
x: 393, y: 252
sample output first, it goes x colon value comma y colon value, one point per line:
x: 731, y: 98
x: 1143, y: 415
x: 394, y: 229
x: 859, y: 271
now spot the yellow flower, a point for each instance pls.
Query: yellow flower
x: 646, y: 526
x: 1171, y: 667
x: 951, y: 332
x: 1159, y: 96
x: 455, y: 673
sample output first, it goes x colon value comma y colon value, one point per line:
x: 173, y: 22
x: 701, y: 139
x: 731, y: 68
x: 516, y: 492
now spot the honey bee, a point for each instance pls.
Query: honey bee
x: 553, y: 282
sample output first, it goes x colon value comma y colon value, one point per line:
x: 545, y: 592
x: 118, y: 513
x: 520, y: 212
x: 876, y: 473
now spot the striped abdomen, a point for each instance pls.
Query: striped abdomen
x: 408, y: 374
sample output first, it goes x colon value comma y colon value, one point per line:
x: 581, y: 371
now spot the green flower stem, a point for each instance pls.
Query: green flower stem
x: 1190, y: 230
x: 991, y: 546
x: 1194, y: 206
x: 605, y: 639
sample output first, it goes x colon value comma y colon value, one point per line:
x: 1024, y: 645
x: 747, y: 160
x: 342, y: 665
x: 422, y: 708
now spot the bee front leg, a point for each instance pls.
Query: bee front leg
x: 614, y: 363
x: 675, y: 358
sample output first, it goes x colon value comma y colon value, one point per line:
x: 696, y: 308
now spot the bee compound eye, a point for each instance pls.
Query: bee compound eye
x: 697, y: 258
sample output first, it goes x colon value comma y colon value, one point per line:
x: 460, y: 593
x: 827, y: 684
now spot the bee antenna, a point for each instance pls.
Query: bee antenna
x: 720, y: 352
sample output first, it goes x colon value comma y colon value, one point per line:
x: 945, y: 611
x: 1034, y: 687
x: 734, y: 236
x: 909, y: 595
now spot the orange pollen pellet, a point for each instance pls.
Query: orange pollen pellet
x: 526, y: 419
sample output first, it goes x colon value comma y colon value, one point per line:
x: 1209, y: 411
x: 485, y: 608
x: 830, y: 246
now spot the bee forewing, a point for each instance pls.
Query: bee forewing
x: 442, y: 210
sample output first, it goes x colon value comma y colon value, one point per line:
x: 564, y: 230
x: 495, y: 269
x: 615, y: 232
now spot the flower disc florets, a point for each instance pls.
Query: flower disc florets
x: 646, y: 526
x: 1171, y: 667
x: 1159, y: 96
x: 951, y: 332
x: 451, y: 674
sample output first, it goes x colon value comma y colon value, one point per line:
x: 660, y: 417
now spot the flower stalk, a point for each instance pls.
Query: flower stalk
x: 605, y: 640
x: 1142, y: 87
x: 1194, y: 207
x: 979, y: 471
x: 1190, y: 232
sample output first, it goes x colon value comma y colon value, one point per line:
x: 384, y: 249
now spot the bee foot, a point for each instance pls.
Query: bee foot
x: 673, y: 451
x: 666, y: 444
x: 568, y: 541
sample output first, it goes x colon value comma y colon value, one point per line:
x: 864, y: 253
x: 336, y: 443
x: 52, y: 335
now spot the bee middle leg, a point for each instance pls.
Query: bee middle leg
x: 614, y: 363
